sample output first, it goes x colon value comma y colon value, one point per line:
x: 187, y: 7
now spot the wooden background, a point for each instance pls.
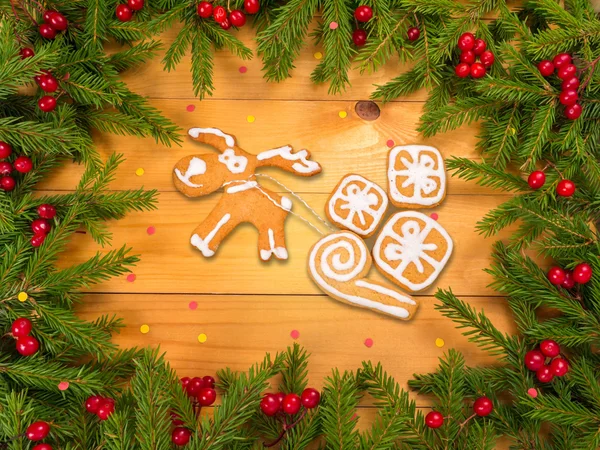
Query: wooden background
x: 246, y: 307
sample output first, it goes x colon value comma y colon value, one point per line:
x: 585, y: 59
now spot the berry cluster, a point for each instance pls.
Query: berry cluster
x: 362, y: 14
x: 53, y: 23
x: 471, y: 49
x: 21, y: 329
x: 566, y: 71
x: 582, y: 273
x: 535, y: 360
x: 564, y: 188
x: 103, y: 407
x: 482, y: 407
x: 41, y: 226
x: 47, y: 83
x: 124, y: 12
x: 237, y: 18
x: 21, y: 164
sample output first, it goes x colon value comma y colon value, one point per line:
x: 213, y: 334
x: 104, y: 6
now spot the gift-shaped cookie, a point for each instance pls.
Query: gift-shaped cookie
x: 411, y: 250
x: 357, y: 204
x: 416, y: 176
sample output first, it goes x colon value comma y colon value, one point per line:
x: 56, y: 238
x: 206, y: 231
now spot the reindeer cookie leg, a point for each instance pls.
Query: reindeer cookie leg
x: 271, y: 236
x: 210, y: 233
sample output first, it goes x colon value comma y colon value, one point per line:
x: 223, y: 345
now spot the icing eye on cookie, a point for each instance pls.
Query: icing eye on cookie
x: 234, y: 163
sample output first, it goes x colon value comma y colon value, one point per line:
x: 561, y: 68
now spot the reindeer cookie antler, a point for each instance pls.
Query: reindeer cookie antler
x: 244, y: 200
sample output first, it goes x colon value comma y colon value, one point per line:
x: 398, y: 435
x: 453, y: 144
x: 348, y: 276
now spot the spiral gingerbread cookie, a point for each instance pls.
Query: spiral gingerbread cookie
x: 416, y: 176
x: 339, y: 263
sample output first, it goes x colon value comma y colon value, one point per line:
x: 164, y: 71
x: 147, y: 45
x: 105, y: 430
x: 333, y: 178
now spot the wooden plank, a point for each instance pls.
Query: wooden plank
x: 170, y: 264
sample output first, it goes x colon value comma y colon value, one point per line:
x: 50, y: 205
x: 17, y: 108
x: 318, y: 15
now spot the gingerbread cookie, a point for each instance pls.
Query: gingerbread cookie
x: 411, y: 250
x: 357, y: 204
x: 244, y: 200
x: 416, y: 176
x: 338, y: 263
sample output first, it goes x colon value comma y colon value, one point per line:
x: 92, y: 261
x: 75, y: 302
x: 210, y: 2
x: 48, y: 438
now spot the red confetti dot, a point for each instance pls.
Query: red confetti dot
x: 295, y: 334
x: 390, y: 143
x: 434, y: 216
x: 63, y: 385
x: 151, y: 230
x: 193, y: 305
x: 368, y: 342
x: 131, y: 277
x: 532, y: 392
x: 190, y: 108
x: 243, y: 69
x: 333, y: 25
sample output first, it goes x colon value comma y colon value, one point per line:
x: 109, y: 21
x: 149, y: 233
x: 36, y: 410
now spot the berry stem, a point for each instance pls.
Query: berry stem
x: 286, y: 427
x: 590, y: 68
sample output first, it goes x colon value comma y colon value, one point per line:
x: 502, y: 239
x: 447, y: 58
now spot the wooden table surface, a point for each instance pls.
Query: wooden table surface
x: 246, y: 307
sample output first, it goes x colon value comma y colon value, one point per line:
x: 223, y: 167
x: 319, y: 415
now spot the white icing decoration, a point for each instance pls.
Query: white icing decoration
x: 195, y: 132
x: 410, y: 248
x: 286, y: 203
x: 357, y: 265
x: 202, y: 244
x: 235, y: 163
x: 420, y: 172
x: 304, y: 166
x: 196, y: 166
x: 358, y: 202
x: 241, y: 187
x: 279, y: 252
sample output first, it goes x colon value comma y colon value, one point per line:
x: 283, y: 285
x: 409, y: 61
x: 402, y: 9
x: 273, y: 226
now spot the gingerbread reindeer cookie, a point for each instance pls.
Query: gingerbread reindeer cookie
x: 243, y: 200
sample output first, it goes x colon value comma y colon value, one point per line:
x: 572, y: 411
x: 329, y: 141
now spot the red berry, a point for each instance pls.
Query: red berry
x: 106, y: 408
x: 545, y: 374
x: 209, y: 381
x: 568, y: 98
x: 184, y: 382
x: 26, y: 52
x: 569, y: 282
x: 237, y: 18
x: 559, y: 367
x: 181, y: 436
x: 487, y: 58
x: 136, y: 5
x: 48, y: 83
x: 38, y: 239
x: 534, y: 359
x: 47, y: 103
x: 58, y: 21
x: 477, y: 70
x: 219, y: 14
x: 434, y: 419
x: 550, y: 348
x: 556, y: 275
x: 359, y: 37
x: 194, y: 386
x: 42, y: 447
x: 536, y: 179
x: 413, y: 33
x: 23, y: 164
x: 5, y: 150
x: 124, y: 13
x: 565, y: 188
x: 251, y: 6
x: 46, y: 31
x: 93, y: 403
x: 21, y: 327
x: 207, y: 396
x: 46, y: 211
x: 573, y: 112
x: 310, y: 398
x: 582, y: 273
x: 567, y: 71
x: 462, y: 70
x: 468, y: 56
x: 269, y: 405
x: 466, y: 41
x: 109, y: 401
x: 291, y: 404
x: 280, y: 396
x: 483, y: 406
x: 40, y: 226
x: 546, y: 68
x: 7, y: 183
x: 47, y: 15
x: 27, y: 345
x: 562, y: 59
x: 226, y: 24
x: 570, y: 84
x: 38, y: 431
x: 479, y: 46
x: 205, y: 10
x: 175, y: 419
x: 6, y: 168
x: 363, y: 13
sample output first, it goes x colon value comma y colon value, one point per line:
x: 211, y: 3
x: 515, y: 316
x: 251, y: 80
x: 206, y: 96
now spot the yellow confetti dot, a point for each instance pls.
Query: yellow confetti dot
x: 512, y: 131
x: 139, y: 172
x: 439, y: 342
x: 250, y: 119
x: 342, y: 114
x: 144, y: 329
x: 22, y: 296
x: 202, y: 338
x: 318, y: 55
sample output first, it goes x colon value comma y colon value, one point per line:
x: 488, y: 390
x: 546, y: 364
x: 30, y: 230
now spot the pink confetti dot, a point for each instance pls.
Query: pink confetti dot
x: 390, y: 143
x: 532, y: 392
x: 295, y: 334
x: 333, y: 25
x: 368, y: 342
x: 434, y: 216
x: 151, y: 230
x: 131, y: 277
x: 63, y: 385
x: 193, y: 305
x: 243, y: 69
x: 190, y: 108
